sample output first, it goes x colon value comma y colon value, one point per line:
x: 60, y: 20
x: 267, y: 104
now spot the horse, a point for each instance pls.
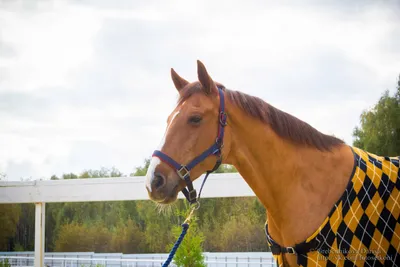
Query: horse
x: 327, y: 203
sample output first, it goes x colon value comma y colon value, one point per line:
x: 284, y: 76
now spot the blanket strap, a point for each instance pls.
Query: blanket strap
x: 301, y: 248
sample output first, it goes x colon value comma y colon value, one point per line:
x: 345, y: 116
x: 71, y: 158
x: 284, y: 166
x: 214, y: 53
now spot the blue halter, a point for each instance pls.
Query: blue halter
x: 184, y: 170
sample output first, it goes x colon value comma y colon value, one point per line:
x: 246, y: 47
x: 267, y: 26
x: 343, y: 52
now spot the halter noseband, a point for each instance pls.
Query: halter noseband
x: 184, y: 170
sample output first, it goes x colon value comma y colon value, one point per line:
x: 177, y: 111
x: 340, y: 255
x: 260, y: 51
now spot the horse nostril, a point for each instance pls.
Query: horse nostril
x: 158, y: 181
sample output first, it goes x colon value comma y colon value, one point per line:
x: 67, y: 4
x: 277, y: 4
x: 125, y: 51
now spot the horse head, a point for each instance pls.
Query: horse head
x: 194, y: 140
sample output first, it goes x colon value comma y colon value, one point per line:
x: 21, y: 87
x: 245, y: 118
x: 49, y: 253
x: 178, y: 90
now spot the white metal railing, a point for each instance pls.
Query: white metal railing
x: 25, y: 261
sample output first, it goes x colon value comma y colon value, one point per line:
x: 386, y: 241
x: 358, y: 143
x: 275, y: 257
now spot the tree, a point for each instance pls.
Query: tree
x: 379, y: 131
x: 141, y: 171
x: 190, y: 252
x: 25, y: 229
x: 74, y: 237
x: 102, y: 173
x: 127, y: 238
x: 54, y: 177
x: 9, y: 217
x: 83, y: 237
x: 242, y: 233
x: 67, y: 176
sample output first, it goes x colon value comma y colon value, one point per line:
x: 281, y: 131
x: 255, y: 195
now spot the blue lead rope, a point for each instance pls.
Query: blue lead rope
x: 185, y: 227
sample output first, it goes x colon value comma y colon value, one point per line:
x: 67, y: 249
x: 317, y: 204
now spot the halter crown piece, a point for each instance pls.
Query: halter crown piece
x: 184, y: 170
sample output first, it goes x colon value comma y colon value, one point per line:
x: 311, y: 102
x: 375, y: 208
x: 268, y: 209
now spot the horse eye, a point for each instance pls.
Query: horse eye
x: 196, y: 119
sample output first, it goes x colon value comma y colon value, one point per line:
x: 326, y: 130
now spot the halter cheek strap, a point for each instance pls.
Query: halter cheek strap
x: 183, y: 171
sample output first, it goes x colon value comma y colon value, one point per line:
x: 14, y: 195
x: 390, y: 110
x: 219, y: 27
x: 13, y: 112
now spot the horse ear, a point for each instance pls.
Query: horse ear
x: 205, y: 79
x: 178, y: 80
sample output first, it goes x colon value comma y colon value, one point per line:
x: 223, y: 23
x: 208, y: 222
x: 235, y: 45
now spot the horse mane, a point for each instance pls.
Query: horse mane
x: 283, y: 124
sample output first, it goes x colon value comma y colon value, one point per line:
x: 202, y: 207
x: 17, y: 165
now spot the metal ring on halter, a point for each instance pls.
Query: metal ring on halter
x: 223, y: 118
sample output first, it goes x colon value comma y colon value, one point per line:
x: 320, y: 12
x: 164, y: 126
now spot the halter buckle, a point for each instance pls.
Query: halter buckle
x: 219, y: 142
x: 192, y: 195
x: 223, y: 118
x: 185, y: 173
x: 291, y: 250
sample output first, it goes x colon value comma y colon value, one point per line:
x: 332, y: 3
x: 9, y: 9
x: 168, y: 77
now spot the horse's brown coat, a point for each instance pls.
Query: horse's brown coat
x: 297, y: 172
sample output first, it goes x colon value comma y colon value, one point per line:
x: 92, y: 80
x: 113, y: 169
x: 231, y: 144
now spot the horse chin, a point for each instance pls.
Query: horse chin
x: 168, y: 200
x: 171, y: 197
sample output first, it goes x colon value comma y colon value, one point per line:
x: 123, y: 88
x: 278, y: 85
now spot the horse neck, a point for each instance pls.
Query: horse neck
x: 297, y: 185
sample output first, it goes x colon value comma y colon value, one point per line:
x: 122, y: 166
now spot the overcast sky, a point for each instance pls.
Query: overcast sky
x: 86, y: 84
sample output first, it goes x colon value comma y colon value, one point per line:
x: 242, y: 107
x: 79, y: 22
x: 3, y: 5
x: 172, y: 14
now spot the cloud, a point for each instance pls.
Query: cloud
x: 86, y: 84
x: 47, y: 44
x: 6, y: 50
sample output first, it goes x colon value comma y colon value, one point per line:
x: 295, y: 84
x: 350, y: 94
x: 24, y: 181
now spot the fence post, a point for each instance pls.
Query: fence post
x: 39, y: 233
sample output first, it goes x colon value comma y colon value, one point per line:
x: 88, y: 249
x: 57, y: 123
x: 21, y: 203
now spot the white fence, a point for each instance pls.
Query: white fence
x: 111, y: 189
x: 102, y: 189
x: 90, y: 259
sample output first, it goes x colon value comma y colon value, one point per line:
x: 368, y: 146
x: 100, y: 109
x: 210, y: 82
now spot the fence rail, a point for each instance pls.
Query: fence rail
x: 240, y: 259
x: 111, y: 189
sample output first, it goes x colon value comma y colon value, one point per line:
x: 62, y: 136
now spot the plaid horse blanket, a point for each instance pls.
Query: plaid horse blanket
x: 363, y: 228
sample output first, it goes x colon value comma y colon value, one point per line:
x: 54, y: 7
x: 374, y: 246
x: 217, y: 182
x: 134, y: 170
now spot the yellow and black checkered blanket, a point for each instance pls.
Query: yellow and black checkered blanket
x: 363, y: 228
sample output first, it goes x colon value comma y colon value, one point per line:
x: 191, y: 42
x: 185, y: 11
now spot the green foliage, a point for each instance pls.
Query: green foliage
x: 18, y: 247
x: 25, y: 228
x: 190, y: 252
x: 74, y: 237
x: 5, y: 263
x: 238, y: 234
x: 142, y: 170
x: 102, y: 173
x: 225, y: 168
x: 127, y: 238
x: 379, y: 132
x: 67, y: 176
x: 81, y: 237
x: 9, y: 217
x: 54, y: 177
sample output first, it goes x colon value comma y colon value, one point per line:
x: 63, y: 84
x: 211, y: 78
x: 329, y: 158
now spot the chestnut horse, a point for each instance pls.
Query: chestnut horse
x: 297, y: 172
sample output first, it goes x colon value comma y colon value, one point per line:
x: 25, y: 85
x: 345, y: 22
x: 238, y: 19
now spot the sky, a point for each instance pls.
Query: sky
x: 86, y: 84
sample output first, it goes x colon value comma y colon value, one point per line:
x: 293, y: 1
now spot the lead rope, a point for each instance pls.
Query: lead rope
x: 185, y: 226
